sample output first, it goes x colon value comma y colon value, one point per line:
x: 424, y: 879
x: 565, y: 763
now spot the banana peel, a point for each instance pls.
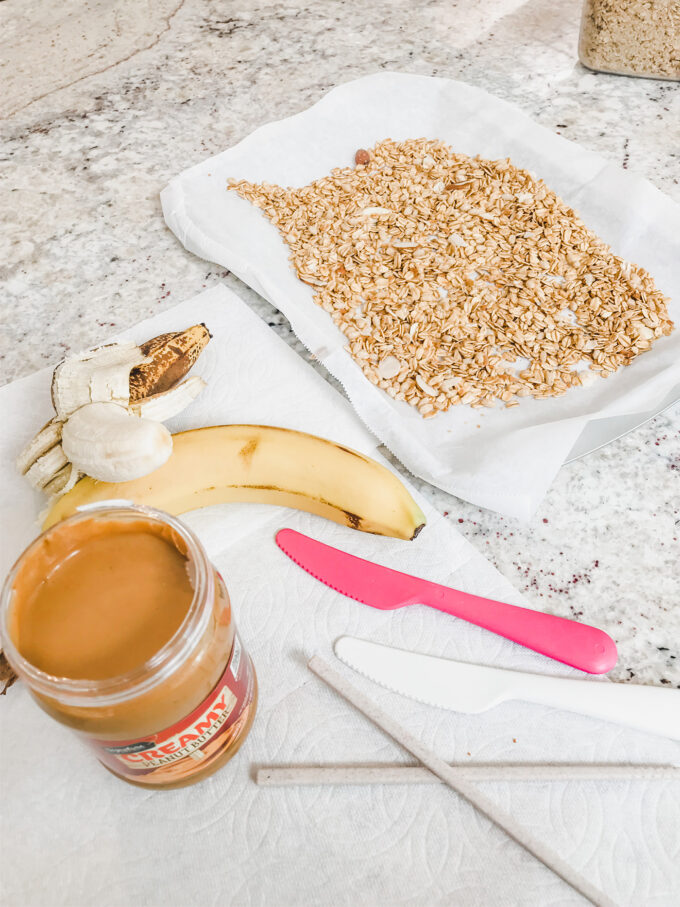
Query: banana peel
x: 168, y: 358
x: 146, y: 380
x: 263, y: 464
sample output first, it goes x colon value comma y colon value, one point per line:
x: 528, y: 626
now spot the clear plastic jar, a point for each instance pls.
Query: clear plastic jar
x: 180, y: 715
x: 631, y: 37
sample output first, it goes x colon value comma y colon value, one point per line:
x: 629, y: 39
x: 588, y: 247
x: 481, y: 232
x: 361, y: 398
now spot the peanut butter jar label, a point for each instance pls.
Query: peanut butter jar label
x: 189, y: 745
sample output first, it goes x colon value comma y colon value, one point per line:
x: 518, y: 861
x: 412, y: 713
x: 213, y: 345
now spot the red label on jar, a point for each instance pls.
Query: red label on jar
x: 188, y: 745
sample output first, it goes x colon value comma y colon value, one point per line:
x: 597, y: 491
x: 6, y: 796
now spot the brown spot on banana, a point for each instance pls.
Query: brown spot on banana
x: 247, y: 451
x: 352, y: 519
x: 354, y: 453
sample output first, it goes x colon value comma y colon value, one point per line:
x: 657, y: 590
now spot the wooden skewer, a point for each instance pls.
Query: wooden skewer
x: 456, y: 780
x: 390, y: 773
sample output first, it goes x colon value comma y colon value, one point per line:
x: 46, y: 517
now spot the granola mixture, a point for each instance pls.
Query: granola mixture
x: 636, y: 37
x: 459, y: 279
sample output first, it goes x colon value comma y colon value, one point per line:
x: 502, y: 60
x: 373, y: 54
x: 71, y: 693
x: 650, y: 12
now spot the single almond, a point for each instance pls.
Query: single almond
x: 389, y: 368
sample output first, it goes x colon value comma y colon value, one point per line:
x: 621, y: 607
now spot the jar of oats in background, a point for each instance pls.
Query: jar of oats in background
x: 123, y: 631
x: 631, y: 37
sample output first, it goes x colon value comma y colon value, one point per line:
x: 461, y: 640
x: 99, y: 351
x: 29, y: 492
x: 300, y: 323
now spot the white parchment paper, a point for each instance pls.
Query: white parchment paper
x: 72, y: 835
x: 503, y: 459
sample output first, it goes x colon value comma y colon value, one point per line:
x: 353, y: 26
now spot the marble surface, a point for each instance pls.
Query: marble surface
x: 135, y: 93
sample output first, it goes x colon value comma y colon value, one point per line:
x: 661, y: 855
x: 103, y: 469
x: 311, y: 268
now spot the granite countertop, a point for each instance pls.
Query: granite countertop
x: 105, y: 102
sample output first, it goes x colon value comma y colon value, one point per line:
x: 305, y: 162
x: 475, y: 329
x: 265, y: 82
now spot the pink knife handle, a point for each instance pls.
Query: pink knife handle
x: 568, y: 641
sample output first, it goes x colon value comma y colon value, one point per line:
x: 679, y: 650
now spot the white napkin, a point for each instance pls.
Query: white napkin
x: 74, y: 836
x: 503, y: 459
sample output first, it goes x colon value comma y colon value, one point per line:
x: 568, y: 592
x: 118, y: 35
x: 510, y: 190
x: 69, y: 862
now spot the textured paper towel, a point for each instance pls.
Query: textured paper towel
x: 74, y: 836
x: 503, y: 459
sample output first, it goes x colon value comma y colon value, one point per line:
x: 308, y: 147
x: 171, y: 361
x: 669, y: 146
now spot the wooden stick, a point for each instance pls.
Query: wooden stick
x: 459, y: 783
x: 391, y: 773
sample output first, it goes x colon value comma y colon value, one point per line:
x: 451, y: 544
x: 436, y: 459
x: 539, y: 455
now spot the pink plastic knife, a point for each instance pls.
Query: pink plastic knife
x: 573, y: 643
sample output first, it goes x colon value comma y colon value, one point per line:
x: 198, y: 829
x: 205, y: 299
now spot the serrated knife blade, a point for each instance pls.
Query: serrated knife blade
x: 365, y: 582
x: 461, y: 687
x: 434, y: 681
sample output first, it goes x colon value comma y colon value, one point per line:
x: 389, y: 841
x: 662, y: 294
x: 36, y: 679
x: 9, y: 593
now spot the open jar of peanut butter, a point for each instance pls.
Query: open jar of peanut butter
x: 123, y: 631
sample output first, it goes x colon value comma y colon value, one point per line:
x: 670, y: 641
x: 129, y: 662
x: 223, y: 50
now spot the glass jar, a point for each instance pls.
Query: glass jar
x: 631, y: 37
x: 186, y: 710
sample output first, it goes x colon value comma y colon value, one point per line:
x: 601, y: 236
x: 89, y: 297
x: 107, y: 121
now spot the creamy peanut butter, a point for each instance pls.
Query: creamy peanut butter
x: 123, y: 631
x: 97, y: 600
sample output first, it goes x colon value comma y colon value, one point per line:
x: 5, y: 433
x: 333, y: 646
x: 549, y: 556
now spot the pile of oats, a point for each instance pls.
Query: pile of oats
x: 461, y: 280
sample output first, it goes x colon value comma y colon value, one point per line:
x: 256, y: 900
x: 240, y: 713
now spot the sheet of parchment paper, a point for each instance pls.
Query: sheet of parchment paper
x: 503, y: 459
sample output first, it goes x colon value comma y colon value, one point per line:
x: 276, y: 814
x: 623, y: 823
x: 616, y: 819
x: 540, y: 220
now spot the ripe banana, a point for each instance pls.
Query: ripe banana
x: 264, y: 464
x: 144, y: 380
x: 108, y: 442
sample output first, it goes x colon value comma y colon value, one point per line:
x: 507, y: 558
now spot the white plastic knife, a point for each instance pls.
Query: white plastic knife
x: 472, y: 688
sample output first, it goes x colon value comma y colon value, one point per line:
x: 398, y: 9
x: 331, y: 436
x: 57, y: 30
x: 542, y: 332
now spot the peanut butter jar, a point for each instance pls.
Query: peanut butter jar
x: 123, y: 631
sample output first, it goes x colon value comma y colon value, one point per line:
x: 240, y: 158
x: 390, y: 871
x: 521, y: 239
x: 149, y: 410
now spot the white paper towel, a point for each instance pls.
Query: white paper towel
x: 503, y: 459
x: 74, y: 836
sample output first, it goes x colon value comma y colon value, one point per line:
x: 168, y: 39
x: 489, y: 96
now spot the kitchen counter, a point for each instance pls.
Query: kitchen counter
x: 105, y: 102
